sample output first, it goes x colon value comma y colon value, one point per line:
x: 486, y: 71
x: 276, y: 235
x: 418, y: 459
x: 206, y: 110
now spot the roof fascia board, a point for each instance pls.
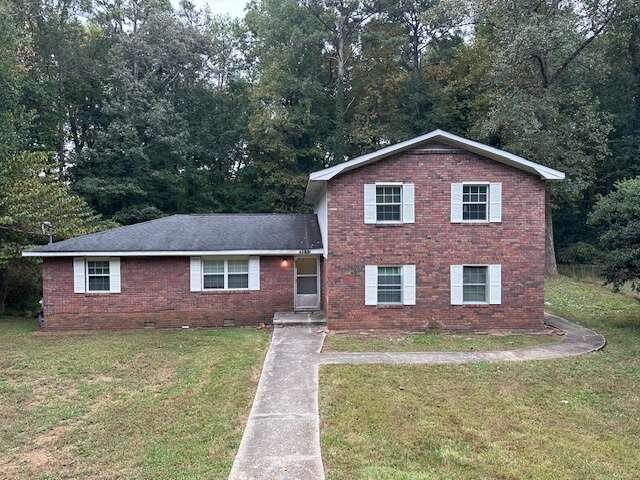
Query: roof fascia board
x: 168, y: 253
x: 473, y: 146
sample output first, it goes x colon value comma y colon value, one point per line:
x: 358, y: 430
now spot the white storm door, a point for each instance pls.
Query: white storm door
x: 307, y: 283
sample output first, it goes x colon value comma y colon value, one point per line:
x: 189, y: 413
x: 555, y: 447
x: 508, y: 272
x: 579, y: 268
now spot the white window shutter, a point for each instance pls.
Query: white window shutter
x: 495, y: 284
x: 495, y: 202
x: 408, y: 203
x: 114, y: 275
x: 196, y: 274
x: 409, y: 284
x: 370, y: 285
x: 254, y: 273
x: 456, y: 284
x: 79, y: 279
x: 370, y: 203
x: 456, y: 202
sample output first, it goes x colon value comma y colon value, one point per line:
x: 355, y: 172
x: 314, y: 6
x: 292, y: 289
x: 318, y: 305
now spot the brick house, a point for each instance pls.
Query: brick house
x: 437, y: 231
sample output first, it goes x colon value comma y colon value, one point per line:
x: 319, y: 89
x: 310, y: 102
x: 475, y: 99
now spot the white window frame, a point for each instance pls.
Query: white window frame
x: 389, y: 184
x: 487, y: 286
x: 487, y: 202
x: 401, y: 301
x: 86, y: 274
x: 225, y: 274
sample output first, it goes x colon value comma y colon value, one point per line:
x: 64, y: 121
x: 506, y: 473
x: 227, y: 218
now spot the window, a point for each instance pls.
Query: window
x: 474, y: 286
x: 98, y: 277
x: 238, y: 274
x: 213, y: 271
x: 389, y: 285
x: 225, y: 274
x: 388, y: 203
x: 474, y: 202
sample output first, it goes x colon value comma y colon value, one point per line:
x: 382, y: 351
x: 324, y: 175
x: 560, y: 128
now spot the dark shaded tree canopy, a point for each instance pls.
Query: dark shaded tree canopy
x: 141, y: 109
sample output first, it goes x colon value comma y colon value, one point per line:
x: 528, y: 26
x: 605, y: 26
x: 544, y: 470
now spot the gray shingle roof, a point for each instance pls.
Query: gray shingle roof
x: 202, y: 233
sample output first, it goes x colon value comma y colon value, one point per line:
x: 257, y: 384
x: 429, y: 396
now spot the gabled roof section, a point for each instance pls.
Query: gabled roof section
x: 201, y: 234
x: 439, y: 136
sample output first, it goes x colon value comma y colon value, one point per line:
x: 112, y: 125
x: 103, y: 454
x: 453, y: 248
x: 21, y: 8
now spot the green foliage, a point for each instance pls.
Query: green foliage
x: 30, y: 193
x: 534, y: 101
x: 581, y: 253
x: 147, y: 109
x: 617, y: 216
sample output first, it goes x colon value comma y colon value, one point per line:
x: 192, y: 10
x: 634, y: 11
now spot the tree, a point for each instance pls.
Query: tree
x: 536, y: 101
x: 617, y: 218
x: 31, y: 194
x: 215, y: 106
x: 343, y: 21
x: 134, y: 169
x: 65, y: 88
x: 429, y: 28
x: 290, y: 118
x: 618, y: 90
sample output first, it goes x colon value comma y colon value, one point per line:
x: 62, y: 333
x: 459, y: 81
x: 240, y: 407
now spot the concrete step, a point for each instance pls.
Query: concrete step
x: 298, y: 318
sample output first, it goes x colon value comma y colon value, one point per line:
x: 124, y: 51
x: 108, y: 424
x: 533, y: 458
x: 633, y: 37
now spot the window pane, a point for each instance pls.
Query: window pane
x: 98, y: 267
x: 213, y: 266
x: 388, y: 271
x: 307, y: 285
x: 474, y: 202
x: 475, y: 275
x: 474, y: 211
x: 214, y: 281
x: 388, y: 194
x: 388, y: 213
x: 389, y: 285
x: 239, y: 281
x: 474, y: 293
x: 389, y: 280
x: 238, y: 266
x: 98, y: 283
x: 475, y: 284
x: 389, y: 295
x: 306, y: 266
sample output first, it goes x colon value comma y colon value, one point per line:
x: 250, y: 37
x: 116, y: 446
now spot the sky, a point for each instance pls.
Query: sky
x: 235, y: 8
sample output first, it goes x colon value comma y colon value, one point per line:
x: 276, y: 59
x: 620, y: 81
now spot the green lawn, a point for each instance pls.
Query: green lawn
x: 564, y: 419
x: 145, y: 405
x: 427, y: 342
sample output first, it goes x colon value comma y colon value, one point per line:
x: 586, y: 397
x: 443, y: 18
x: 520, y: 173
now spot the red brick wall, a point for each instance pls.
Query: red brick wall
x: 155, y: 291
x: 433, y: 243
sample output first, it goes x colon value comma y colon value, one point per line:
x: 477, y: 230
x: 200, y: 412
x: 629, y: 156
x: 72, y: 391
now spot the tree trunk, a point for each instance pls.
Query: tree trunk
x: 4, y: 287
x: 550, y: 266
x: 338, y: 148
x: 634, y: 54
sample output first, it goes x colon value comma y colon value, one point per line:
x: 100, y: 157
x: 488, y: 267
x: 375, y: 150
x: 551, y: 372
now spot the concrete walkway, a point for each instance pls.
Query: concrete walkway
x: 282, y: 438
x: 577, y: 340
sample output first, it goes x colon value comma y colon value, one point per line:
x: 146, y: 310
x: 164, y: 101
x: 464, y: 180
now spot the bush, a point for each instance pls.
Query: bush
x: 24, y: 288
x: 617, y: 218
x: 581, y: 253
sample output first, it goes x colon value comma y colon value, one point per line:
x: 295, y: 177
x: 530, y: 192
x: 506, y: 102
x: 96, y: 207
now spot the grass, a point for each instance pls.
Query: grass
x: 562, y: 419
x: 431, y: 341
x: 145, y: 405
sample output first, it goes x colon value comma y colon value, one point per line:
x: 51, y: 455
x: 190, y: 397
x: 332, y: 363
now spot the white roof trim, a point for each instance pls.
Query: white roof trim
x: 454, y: 140
x: 165, y: 253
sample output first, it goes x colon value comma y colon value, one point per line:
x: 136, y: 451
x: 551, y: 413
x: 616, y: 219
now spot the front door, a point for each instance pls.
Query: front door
x: 307, y: 283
